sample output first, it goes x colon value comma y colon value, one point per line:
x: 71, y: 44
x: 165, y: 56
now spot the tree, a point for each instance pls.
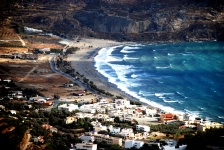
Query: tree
x: 201, y: 140
x: 177, y: 135
x: 117, y: 119
x: 56, y: 97
x: 115, y: 147
x: 147, y: 147
x: 71, y: 50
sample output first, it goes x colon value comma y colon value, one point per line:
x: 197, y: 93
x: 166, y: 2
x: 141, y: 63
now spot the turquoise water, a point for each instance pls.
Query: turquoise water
x: 187, y: 77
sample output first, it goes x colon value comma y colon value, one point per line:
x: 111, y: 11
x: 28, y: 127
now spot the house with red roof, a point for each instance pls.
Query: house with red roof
x: 167, y: 117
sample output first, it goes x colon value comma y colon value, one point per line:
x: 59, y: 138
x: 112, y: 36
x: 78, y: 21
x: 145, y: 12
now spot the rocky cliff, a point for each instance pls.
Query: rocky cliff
x: 132, y: 20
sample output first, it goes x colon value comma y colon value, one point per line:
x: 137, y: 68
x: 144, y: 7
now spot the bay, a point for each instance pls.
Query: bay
x: 185, y: 77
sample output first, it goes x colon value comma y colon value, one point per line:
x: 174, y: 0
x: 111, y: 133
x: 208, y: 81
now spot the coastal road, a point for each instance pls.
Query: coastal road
x: 56, y: 70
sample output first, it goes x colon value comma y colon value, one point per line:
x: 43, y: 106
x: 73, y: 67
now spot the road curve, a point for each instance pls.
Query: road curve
x: 56, y: 70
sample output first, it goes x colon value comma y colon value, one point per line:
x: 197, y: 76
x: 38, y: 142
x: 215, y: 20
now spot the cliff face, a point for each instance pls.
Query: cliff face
x: 142, y: 20
x: 101, y: 22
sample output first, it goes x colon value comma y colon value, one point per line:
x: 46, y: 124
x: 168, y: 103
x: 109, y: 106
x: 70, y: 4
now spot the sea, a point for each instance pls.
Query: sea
x: 183, y: 77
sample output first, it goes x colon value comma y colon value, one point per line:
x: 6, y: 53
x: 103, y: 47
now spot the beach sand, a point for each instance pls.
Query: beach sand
x: 83, y: 62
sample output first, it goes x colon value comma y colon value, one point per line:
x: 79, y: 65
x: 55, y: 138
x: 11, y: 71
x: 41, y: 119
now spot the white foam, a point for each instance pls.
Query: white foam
x: 181, y: 94
x: 162, y: 97
x: 221, y: 117
x: 169, y: 54
x: 136, y: 84
x: 157, y: 67
x: 128, y: 58
x: 163, y: 94
x: 128, y: 49
x: 109, y: 57
x: 189, y: 52
x: 104, y: 58
x: 113, y: 58
x: 134, y: 76
x: 172, y: 101
x: 146, y: 93
x: 121, y: 70
x: 201, y: 108
x: 100, y: 60
x: 194, y: 114
x: 158, y: 94
x: 186, y: 54
x: 139, y: 76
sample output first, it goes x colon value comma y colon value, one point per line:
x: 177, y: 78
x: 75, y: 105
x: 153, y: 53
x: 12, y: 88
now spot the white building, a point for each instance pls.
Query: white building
x: 127, y: 132
x: 124, y: 102
x: 38, y: 98
x: 207, y: 125
x: 181, y: 117
x: 68, y: 107
x: 142, y: 128
x: 171, y: 145
x: 107, y: 139
x: 2, y: 107
x: 101, y: 116
x: 114, y: 113
x: 84, y: 115
x: 133, y: 143
x: 17, y: 94
x: 109, y: 119
x: 151, y: 112
x: 100, y: 110
x: 103, y: 101
x: 87, y: 138
x: 13, y: 112
x: 86, y: 146
x: 88, y: 110
x: 114, y: 130
x: 120, y: 106
x: 100, y: 127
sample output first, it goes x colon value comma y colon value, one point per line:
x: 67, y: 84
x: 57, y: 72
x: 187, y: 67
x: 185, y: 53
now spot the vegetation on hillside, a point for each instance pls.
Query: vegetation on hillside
x: 204, y: 140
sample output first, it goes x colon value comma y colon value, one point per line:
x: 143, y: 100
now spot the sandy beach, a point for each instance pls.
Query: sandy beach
x: 83, y: 62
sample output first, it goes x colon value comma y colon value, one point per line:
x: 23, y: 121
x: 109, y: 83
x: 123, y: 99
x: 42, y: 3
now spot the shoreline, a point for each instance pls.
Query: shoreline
x: 83, y: 62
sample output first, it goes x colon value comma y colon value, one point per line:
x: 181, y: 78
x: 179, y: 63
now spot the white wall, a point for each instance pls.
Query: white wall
x: 133, y: 143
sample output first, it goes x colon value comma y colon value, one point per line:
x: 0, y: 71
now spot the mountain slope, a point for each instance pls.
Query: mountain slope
x: 135, y: 20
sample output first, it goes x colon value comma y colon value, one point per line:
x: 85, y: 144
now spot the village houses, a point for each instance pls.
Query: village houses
x: 68, y: 107
x: 105, y: 111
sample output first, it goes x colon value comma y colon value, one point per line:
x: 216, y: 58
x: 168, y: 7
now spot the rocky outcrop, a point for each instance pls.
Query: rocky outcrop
x: 101, y: 22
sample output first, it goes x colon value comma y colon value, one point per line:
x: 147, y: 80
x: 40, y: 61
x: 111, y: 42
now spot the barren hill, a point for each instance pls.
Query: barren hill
x: 135, y: 20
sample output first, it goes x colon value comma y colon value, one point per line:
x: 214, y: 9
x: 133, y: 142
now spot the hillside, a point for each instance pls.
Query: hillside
x: 133, y: 20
